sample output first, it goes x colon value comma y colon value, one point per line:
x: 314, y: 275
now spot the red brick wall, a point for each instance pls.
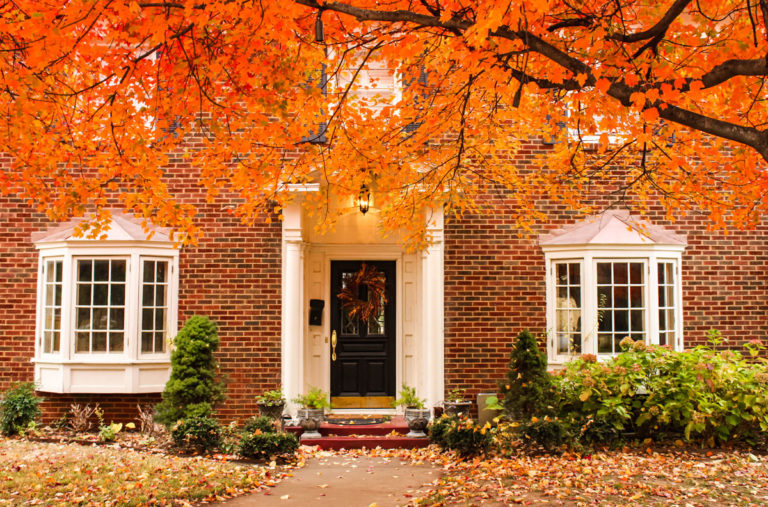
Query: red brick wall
x: 495, y: 285
x: 232, y: 276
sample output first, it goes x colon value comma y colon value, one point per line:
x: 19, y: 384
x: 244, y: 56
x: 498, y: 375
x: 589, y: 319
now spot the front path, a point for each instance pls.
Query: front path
x: 340, y: 480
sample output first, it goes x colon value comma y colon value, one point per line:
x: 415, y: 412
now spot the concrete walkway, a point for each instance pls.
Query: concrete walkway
x: 341, y: 481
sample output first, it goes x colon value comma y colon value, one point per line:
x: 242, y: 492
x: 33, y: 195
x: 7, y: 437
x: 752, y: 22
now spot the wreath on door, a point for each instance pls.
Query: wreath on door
x: 376, y: 283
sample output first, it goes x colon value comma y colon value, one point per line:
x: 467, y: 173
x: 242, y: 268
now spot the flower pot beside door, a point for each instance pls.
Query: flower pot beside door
x: 456, y: 404
x: 416, y: 416
x: 271, y: 404
x: 312, y: 413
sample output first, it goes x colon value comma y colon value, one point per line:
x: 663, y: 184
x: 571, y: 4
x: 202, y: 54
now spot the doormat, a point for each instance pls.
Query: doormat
x: 353, y: 421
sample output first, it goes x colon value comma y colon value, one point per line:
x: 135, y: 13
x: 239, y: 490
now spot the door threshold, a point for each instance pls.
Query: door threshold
x: 363, y: 411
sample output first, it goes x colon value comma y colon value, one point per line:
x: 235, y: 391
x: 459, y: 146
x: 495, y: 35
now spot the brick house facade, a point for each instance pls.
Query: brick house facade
x: 457, y: 308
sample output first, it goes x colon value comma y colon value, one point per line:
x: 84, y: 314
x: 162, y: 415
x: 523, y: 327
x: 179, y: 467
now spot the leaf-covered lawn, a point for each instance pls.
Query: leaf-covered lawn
x: 629, y: 477
x: 44, y: 473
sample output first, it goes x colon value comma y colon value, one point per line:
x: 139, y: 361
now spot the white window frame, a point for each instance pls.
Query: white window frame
x: 589, y: 255
x: 129, y: 371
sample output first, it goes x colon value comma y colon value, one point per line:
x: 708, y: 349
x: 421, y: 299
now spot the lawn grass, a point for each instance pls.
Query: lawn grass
x: 44, y: 473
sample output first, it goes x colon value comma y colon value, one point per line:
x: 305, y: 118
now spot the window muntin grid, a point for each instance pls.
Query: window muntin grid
x: 568, y: 307
x: 621, y: 304
x: 666, y: 287
x: 100, y: 305
x: 52, y: 287
x: 154, y: 306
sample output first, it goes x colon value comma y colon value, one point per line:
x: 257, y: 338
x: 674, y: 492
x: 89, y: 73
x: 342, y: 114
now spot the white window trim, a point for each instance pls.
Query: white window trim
x: 589, y: 256
x: 126, y: 372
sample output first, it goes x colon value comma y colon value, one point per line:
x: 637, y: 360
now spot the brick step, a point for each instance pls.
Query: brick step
x: 396, y: 424
x: 366, y: 441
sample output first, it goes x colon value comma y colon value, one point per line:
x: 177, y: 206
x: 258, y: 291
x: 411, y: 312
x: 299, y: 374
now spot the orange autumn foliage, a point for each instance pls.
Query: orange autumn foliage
x: 427, y: 103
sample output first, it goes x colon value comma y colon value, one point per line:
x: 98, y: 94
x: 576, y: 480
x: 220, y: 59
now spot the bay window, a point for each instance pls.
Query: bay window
x: 608, y: 278
x: 107, y: 310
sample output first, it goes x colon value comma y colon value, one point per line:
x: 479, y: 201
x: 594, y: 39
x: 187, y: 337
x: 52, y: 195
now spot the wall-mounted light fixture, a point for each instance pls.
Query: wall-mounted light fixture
x: 364, y: 199
x: 319, y: 29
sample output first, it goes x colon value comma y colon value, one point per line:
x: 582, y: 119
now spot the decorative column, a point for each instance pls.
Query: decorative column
x: 432, y: 345
x: 292, y: 349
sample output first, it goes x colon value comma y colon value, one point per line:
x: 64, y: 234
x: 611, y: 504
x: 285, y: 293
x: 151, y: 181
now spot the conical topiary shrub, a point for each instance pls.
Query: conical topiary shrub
x: 527, y: 389
x: 192, y: 389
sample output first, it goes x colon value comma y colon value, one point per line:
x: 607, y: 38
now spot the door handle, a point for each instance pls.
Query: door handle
x: 333, y: 345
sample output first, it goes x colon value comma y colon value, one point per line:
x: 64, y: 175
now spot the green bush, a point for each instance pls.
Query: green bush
x: 547, y: 434
x: 528, y: 388
x: 192, y: 390
x: 264, y: 445
x: 704, y: 395
x: 261, y: 423
x: 198, y: 433
x: 460, y: 434
x: 19, y: 407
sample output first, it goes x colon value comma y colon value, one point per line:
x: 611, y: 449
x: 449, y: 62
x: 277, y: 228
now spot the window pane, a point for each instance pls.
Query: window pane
x: 620, y: 296
x: 47, y: 341
x: 82, y: 342
x: 117, y: 319
x: 99, y: 318
x: 604, y: 298
x: 160, y: 295
x: 101, y: 271
x: 84, y: 271
x: 56, y: 341
x: 575, y: 293
x: 83, y: 294
x: 117, y: 297
x: 118, y: 271
x: 50, y: 272
x: 562, y: 273
x: 636, y: 296
x: 48, y: 320
x: 620, y: 273
x: 115, y: 342
x: 620, y: 321
x: 603, y: 272
x: 99, y: 342
x: 635, y: 273
x: 160, y: 319
x: 147, y: 315
x: 161, y: 270
x: 146, y: 341
x: 149, y: 271
x: 83, y: 318
x: 604, y: 343
x: 100, y: 292
x: 148, y: 295
x: 159, y: 342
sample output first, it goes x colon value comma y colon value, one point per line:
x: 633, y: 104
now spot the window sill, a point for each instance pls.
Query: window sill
x: 107, y: 377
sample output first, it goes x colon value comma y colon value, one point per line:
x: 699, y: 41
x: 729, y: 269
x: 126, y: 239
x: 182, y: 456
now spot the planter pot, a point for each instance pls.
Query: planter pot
x: 310, y: 420
x: 457, y: 407
x: 417, y: 420
x: 271, y: 410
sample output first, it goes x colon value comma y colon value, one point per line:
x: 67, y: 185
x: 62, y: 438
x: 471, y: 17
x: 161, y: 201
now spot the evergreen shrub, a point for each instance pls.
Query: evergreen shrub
x: 192, y: 390
x: 19, y: 407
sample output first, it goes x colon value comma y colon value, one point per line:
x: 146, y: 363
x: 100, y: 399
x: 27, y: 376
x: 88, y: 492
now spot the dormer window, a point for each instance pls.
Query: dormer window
x: 609, y: 277
x: 106, y: 309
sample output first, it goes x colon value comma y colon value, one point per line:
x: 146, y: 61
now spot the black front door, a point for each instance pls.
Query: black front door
x: 364, y: 364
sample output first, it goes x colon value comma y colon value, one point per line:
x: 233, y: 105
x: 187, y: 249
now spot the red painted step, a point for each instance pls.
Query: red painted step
x: 366, y: 441
x: 387, y: 435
